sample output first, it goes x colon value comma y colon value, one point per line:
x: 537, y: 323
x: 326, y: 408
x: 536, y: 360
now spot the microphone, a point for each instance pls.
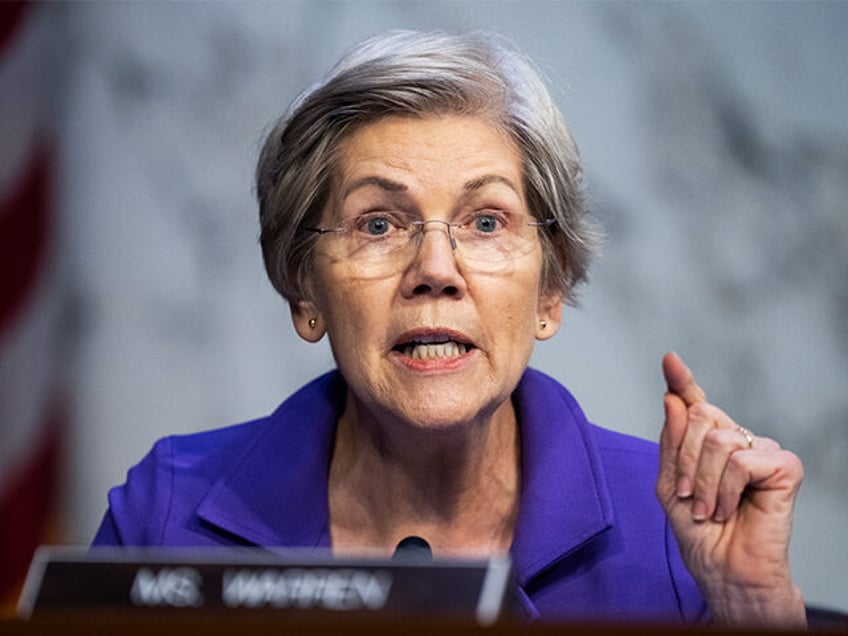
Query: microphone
x: 413, y: 550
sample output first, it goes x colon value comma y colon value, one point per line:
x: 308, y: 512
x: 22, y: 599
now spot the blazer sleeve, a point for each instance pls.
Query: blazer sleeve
x: 138, y: 510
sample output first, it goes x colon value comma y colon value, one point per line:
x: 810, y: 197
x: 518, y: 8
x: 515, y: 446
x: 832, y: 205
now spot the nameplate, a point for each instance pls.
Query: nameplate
x: 62, y: 579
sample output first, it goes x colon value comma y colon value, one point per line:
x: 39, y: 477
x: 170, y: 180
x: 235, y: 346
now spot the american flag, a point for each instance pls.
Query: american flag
x: 31, y: 407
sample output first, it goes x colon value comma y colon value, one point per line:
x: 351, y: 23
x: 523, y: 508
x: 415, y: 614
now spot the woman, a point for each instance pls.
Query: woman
x: 422, y: 206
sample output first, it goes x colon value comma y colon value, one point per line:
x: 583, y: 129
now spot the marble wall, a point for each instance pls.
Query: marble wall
x: 716, y: 142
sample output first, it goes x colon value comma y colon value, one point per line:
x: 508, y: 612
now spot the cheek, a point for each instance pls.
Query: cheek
x: 352, y: 311
x: 524, y: 301
x: 511, y: 311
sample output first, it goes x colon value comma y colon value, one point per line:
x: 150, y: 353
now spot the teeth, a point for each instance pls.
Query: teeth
x: 423, y: 351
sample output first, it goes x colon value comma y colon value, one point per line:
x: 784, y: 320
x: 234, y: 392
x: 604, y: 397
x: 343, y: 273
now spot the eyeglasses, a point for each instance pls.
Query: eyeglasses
x: 485, y: 240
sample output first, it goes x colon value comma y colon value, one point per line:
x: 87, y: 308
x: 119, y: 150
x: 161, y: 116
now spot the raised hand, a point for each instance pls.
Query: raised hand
x: 729, y: 496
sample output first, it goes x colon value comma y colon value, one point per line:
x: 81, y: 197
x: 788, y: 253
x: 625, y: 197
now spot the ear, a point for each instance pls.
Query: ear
x: 308, y: 321
x: 548, y: 315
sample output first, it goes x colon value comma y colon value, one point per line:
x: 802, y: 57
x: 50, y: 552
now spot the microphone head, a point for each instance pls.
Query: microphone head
x: 413, y: 550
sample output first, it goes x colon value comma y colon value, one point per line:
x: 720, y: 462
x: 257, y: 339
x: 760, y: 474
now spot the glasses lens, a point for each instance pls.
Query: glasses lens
x: 494, y: 237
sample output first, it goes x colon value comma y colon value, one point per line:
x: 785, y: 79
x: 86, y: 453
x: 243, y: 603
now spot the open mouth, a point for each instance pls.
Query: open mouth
x: 433, y: 347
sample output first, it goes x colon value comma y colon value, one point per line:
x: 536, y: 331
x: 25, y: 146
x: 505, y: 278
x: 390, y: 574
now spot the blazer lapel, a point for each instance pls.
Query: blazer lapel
x: 276, y: 494
x: 565, y: 503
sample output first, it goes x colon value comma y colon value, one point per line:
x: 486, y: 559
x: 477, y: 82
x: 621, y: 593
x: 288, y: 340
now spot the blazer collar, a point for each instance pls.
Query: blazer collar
x: 276, y: 494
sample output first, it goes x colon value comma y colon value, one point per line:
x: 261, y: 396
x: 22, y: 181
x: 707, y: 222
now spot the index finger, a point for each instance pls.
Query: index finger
x: 680, y: 380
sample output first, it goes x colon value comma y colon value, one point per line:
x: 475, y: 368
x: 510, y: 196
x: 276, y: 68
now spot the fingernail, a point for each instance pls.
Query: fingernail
x: 684, y: 486
x: 699, y: 510
x: 720, y: 515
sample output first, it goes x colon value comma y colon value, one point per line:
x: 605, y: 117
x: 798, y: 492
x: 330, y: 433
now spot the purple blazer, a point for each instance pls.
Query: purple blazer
x: 591, y: 541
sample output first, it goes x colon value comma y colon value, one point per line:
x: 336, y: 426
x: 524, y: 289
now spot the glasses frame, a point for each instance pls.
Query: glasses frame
x: 421, y: 224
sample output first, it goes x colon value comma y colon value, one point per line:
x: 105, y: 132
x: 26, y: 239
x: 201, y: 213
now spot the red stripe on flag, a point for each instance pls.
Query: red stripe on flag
x: 11, y: 17
x: 23, y: 238
x: 27, y: 505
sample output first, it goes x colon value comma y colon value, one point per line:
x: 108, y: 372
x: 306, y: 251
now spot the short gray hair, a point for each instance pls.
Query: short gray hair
x: 415, y: 74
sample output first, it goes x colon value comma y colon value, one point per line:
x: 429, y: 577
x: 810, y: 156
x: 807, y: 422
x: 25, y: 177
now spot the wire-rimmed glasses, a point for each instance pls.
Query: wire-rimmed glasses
x: 488, y: 240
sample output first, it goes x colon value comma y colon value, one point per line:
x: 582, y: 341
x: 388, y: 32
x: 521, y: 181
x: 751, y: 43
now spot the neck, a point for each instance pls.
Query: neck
x: 458, y: 487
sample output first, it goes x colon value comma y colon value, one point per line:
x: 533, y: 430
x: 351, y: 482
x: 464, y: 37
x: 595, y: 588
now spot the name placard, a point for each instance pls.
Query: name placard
x: 257, y: 579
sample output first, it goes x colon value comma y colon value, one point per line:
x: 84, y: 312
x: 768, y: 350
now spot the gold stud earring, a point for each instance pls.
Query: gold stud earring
x: 313, y: 323
x: 543, y: 323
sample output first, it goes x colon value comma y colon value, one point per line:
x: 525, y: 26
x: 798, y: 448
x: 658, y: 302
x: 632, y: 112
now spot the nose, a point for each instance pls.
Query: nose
x: 434, y: 270
x: 422, y: 225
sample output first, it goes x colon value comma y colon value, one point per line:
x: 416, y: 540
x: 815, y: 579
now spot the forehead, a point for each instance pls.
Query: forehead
x: 421, y: 150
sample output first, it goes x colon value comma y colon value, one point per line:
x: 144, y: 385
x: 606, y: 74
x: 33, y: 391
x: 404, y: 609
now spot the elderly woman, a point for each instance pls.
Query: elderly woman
x: 422, y: 206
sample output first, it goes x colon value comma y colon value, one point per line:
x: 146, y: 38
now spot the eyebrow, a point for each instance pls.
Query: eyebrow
x: 380, y: 182
x: 486, y: 179
x: 395, y: 186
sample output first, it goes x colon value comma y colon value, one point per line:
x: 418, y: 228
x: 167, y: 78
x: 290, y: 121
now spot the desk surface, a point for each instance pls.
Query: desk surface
x: 166, y: 623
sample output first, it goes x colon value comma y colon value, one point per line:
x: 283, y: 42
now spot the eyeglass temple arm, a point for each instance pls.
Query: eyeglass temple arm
x: 325, y: 230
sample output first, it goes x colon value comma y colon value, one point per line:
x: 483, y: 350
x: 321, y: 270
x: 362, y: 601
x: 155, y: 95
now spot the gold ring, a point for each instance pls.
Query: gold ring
x: 747, y: 435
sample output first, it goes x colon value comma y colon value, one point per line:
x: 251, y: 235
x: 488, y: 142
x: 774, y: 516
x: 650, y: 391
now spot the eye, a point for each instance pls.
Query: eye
x: 377, y: 225
x: 488, y: 222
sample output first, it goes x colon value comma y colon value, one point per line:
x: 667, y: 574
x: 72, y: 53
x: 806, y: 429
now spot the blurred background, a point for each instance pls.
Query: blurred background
x: 133, y: 303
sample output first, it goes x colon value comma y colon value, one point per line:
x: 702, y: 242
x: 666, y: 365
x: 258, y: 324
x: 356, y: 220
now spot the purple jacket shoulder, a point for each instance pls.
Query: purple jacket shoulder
x: 154, y: 506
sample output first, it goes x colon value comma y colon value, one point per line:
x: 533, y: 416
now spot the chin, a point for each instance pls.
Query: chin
x: 446, y: 420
